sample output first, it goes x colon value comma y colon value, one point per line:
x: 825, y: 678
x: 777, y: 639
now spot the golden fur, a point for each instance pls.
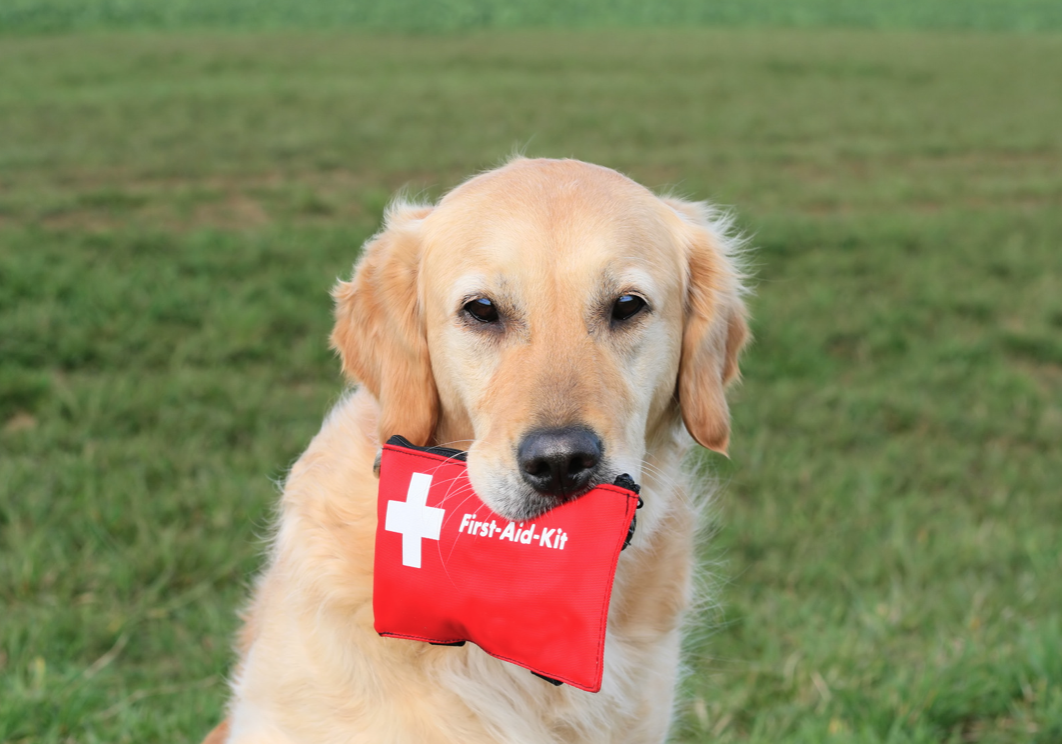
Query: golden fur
x: 553, y: 243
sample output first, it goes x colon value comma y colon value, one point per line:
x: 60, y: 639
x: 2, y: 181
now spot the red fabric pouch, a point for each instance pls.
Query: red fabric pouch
x: 449, y: 570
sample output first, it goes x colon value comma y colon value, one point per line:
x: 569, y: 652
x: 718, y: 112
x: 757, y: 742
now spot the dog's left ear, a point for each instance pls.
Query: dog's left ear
x: 715, y: 328
x: 380, y: 333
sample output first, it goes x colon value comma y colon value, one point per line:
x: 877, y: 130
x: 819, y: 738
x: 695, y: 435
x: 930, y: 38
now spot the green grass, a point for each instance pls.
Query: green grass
x: 174, y: 209
x: 35, y: 16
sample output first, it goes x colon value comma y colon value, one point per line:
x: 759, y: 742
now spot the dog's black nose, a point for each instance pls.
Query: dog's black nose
x: 559, y: 462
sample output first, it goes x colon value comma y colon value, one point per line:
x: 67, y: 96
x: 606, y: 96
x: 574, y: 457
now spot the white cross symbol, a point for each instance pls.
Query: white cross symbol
x: 414, y: 519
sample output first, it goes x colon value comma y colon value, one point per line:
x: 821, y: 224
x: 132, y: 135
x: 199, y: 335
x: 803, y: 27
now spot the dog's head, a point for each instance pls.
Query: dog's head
x: 555, y: 315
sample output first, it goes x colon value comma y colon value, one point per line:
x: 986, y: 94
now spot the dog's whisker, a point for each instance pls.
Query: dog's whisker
x: 661, y: 480
x: 449, y: 445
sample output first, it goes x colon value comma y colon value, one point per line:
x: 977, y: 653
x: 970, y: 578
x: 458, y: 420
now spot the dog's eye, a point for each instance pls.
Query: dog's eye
x: 627, y: 307
x: 482, y: 310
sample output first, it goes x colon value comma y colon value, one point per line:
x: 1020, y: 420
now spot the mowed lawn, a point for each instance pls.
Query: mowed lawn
x: 884, y: 561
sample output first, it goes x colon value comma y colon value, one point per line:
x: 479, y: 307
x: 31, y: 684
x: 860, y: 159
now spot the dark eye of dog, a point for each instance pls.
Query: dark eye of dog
x: 627, y: 307
x: 482, y: 310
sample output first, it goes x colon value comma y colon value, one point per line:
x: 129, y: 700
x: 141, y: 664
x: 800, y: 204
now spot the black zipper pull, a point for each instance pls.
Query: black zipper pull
x: 627, y: 482
x: 554, y: 682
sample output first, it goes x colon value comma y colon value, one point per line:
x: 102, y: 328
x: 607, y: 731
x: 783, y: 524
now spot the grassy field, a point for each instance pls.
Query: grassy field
x: 450, y: 15
x: 175, y: 207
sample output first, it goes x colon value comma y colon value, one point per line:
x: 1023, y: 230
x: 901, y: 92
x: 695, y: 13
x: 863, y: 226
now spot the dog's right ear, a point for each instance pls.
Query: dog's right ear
x: 380, y: 333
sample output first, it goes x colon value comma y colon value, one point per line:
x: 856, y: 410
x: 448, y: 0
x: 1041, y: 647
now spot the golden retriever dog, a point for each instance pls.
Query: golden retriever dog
x: 564, y: 325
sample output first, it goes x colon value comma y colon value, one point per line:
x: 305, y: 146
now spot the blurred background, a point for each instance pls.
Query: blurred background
x: 182, y: 182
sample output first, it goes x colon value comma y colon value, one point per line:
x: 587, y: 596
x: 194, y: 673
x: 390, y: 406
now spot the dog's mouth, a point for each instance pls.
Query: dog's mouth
x: 527, y: 503
x: 537, y: 485
x: 511, y: 497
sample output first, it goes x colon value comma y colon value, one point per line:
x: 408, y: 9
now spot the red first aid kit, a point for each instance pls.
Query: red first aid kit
x: 449, y: 570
